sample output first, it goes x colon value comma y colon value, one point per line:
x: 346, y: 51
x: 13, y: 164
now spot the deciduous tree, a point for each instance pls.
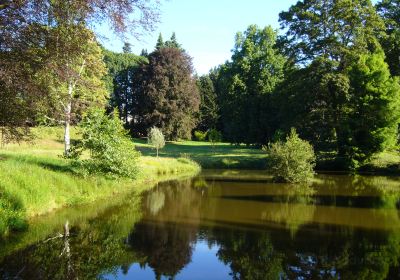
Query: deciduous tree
x: 59, y: 33
x: 246, y: 83
x: 389, y: 10
x: 331, y: 29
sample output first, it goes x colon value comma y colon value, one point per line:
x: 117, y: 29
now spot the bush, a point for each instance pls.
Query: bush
x: 111, y: 150
x: 214, y: 136
x: 292, y: 161
x: 200, y: 135
x: 156, y: 138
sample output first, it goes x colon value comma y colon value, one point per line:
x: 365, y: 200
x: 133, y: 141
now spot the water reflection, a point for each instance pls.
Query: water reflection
x: 164, y: 245
x: 341, y: 227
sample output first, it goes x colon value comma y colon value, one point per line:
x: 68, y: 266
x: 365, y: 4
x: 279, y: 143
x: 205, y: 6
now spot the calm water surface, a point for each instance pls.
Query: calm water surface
x: 221, y: 225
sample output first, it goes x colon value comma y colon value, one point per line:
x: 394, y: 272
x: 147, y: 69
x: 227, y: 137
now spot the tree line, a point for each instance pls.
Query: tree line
x: 331, y: 72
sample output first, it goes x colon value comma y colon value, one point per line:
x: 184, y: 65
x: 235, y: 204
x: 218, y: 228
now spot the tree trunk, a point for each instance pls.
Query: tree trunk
x: 67, y: 248
x: 67, y: 121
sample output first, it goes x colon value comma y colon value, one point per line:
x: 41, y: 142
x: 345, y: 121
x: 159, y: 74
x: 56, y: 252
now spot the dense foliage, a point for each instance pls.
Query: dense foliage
x: 327, y: 75
x: 331, y: 73
x: 246, y: 83
x: 291, y: 161
x: 214, y: 136
x: 209, y: 109
x: 110, y: 148
x: 333, y: 29
x: 390, y: 12
x: 50, y: 59
x: 375, y: 111
x: 120, y: 70
x: 166, y: 94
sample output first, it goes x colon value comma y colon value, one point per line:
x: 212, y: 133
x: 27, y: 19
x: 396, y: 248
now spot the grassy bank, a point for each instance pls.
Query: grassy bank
x: 34, y: 179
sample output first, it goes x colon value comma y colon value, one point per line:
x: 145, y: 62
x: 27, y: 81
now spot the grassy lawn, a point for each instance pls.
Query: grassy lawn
x: 229, y: 156
x: 385, y: 162
x: 35, y: 179
x: 219, y: 156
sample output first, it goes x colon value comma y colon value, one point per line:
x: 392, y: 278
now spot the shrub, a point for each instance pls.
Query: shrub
x: 111, y: 150
x: 292, y: 161
x: 156, y: 138
x: 214, y: 136
x: 200, y: 135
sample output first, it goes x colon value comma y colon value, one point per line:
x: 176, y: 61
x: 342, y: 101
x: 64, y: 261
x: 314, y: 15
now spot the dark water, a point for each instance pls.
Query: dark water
x: 221, y: 225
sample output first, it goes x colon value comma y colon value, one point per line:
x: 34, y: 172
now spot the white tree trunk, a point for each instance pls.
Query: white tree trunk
x: 67, y: 121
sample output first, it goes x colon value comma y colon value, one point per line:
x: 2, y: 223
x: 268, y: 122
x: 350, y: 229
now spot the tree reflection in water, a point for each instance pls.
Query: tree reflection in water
x: 165, y: 245
x: 342, y: 228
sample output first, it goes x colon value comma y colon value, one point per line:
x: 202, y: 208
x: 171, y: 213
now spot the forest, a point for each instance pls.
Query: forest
x: 331, y: 72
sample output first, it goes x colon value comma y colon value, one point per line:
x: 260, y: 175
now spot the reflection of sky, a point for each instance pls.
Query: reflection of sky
x: 204, y: 265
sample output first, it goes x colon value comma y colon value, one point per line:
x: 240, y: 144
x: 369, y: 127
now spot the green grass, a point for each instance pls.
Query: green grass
x: 35, y: 180
x: 385, y: 162
x: 229, y: 156
x: 219, y: 156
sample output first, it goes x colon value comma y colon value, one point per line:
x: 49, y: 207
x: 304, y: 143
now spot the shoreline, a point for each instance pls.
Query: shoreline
x: 51, y: 185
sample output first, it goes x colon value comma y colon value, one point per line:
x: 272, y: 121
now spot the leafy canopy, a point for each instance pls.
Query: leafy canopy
x: 166, y: 94
x: 329, y: 28
x: 246, y: 83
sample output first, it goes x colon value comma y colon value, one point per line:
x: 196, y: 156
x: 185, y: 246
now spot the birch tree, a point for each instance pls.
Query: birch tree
x: 74, y: 71
x: 57, y: 38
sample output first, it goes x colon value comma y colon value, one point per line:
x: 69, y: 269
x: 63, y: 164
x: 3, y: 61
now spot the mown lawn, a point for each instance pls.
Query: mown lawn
x: 218, y: 156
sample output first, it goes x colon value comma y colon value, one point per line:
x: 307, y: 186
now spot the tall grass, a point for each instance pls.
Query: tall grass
x: 35, y: 180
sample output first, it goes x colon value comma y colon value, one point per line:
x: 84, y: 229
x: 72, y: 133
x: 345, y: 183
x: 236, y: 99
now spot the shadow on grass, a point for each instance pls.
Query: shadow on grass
x: 56, y: 165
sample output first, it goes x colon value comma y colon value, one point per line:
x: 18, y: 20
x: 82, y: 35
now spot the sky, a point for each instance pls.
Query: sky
x: 205, y: 28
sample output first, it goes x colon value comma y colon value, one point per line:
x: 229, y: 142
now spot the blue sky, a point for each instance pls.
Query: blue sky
x: 206, y: 28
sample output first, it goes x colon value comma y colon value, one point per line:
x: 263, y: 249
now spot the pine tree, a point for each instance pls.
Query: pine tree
x: 160, y: 42
x: 375, y: 116
x: 209, y: 109
x: 127, y: 48
x: 173, y: 43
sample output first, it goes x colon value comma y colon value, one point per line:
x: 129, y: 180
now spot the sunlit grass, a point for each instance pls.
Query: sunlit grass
x: 219, y: 155
x: 35, y: 179
x: 386, y: 159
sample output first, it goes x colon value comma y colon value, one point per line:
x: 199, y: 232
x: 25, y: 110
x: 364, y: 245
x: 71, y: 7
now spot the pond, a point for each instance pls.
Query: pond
x: 220, y: 225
